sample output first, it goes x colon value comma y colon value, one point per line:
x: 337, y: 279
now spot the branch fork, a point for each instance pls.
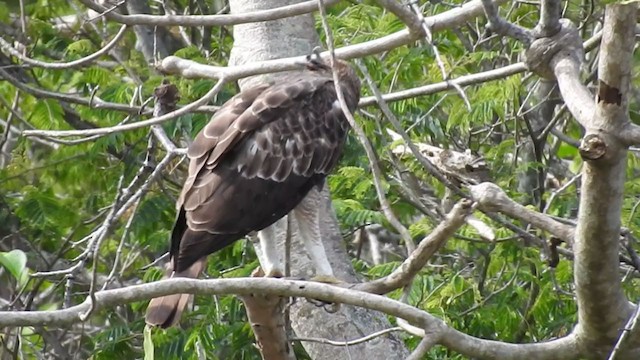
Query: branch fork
x: 542, y: 50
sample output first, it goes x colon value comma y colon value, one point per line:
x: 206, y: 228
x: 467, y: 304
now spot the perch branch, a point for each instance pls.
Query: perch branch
x: 563, y: 348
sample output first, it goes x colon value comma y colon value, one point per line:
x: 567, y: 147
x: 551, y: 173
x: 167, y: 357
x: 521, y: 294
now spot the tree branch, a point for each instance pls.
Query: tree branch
x: 71, y: 64
x: 349, y: 342
x: 602, y: 306
x: 137, y: 125
x: 491, y: 198
x: 465, y: 344
x: 207, y: 20
x: 549, y: 23
x: 187, y: 68
x: 503, y: 27
x: 266, y: 316
x: 425, y: 250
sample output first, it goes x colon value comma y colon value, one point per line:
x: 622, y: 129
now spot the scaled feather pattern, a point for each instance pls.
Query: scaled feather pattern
x: 253, y: 163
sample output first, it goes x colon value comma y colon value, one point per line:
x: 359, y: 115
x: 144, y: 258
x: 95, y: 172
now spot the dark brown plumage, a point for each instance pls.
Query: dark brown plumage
x: 253, y: 163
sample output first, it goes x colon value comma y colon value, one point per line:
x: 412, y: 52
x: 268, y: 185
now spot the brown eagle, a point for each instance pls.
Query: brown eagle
x: 257, y: 159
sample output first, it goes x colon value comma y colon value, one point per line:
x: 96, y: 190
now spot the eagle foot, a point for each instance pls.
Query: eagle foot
x: 330, y: 307
x: 259, y: 272
x: 275, y: 274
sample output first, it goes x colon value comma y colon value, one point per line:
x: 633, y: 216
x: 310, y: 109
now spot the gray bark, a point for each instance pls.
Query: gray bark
x: 290, y: 37
x: 152, y: 42
x: 603, y: 308
x: 531, y: 181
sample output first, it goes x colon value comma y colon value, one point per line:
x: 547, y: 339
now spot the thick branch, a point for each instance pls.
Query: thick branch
x: 492, y: 198
x: 281, y: 287
x: 559, y: 57
x: 575, y: 94
x: 549, y: 23
x: 558, y: 349
x: 602, y: 306
x: 266, y: 316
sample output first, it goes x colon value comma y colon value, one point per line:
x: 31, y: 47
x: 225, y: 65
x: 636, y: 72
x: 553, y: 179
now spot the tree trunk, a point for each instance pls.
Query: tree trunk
x: 290, y: 37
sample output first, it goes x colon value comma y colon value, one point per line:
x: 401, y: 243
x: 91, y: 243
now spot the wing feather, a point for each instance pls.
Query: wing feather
x: 255, y: 161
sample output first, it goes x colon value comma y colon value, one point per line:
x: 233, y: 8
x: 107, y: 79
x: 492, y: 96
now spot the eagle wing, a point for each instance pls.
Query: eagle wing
x: 255, y: 161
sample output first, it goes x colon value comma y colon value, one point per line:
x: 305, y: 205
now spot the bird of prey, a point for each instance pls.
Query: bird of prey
x: 262, y: 153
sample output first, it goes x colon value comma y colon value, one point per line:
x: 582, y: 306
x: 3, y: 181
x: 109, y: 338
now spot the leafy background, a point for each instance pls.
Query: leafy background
x: 50, y: 198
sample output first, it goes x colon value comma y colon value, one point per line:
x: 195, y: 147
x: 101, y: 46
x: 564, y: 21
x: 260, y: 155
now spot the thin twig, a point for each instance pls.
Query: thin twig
x: 366, y: 144
x: 206, y: 20
x: 137, y: 125
x: 422, y: 349
x: 71, y: 64
x: 629, y: 328
x: 349, y: 342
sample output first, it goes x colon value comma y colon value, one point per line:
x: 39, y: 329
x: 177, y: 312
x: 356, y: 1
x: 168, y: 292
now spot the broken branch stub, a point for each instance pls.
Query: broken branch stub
x: 539, y: 55
x: 592, y: 147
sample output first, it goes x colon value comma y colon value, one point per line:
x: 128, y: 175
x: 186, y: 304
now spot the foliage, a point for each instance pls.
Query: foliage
x: 53, y: 195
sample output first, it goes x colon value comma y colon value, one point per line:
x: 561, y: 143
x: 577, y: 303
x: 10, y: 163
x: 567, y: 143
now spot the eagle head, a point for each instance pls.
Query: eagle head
x: 346, y: 73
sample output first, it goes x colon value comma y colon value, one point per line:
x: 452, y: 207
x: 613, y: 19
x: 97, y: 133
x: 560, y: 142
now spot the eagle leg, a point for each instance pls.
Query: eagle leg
x: 273, y: 262
x: 307, y: 215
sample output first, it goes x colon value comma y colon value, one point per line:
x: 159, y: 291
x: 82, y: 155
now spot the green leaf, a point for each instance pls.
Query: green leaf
x: 4, y: 12
x: 81, y: 47
x: 16, y: 262
x: 148, y: 344
x: 47, y: 114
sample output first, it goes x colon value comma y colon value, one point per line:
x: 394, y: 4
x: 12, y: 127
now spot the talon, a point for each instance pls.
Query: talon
x: 275, y: 274
x: 259, y: 272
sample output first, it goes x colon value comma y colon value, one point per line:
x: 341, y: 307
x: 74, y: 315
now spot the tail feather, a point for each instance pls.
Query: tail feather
x: 166, y: 311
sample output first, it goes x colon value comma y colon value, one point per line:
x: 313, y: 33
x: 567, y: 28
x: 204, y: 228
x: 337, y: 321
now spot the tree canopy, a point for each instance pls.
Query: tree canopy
x: 486, y: 197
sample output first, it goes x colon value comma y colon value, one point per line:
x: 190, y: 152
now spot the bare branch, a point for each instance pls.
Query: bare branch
x: 442, y: 334
x: 465, y: 80
x: 426, y: 248
x: 491, y: 198
x: 71, y: 64
x: 503, y: 27
x: 422, y: 349
x: 443, y: 21
x: 349, y: 342
x: 559, y: 57
x: 564, y: 348
x: 602, y: 305
x: 187, y: 68
x: 549, y: 23
x: 137, y: 125
x: 366, y: 144
x: 207, y: 20
x: 405, y: 15
x: 628, y: 329
x: 93, y: 102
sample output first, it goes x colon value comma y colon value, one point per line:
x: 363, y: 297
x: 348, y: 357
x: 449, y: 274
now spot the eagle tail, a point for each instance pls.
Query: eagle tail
x: 165, y: 311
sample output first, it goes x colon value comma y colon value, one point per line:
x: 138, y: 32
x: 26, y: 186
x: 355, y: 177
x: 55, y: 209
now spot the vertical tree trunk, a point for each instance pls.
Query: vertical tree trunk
x: 602, y: 306
x: 289, y: 37
x: 531, y: 181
